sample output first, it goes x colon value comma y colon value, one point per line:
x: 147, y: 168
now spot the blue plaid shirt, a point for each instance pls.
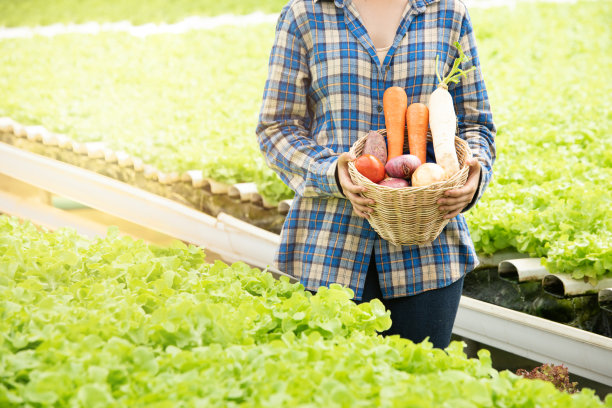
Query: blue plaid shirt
x: 324, y: 90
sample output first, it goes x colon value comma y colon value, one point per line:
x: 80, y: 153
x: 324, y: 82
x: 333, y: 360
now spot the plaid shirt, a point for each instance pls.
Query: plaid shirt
x: 324, y: 90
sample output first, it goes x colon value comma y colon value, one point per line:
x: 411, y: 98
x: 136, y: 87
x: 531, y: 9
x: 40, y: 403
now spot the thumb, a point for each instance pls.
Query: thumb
x: 474, y: 168
x: 346, y: 157
x: 473, y: 163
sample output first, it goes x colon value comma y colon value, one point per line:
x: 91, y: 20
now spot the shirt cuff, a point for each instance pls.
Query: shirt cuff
x: 328, y: 180
x: 338, y: 181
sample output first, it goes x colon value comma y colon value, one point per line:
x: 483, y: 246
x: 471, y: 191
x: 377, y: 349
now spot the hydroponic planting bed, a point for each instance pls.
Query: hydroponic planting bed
x: 190, y: 188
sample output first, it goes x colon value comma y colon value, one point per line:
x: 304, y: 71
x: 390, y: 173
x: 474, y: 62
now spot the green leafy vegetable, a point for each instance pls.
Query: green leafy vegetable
x: 116, y: 322
x: 551, y: 192
x: 455, y: 73
x: 41, y: 12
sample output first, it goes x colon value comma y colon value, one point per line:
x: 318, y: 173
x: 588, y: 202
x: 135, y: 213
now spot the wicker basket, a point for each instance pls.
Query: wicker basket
x: 409, y: 215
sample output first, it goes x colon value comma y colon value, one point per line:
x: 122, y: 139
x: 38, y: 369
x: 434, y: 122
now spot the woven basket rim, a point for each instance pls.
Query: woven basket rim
x: 437, y: 186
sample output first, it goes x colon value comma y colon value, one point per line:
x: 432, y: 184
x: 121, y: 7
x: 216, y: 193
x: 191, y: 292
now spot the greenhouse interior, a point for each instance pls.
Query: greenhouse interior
x: 136, y: 270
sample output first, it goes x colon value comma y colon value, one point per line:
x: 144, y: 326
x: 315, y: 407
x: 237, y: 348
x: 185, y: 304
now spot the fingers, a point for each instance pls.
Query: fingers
x: 457, y: 193
x: 454, y: 204
x: 361, y: 205
x: 451, y: 207
x: 346, y: 157
x: 359, y: 200
x: 352, y: 191
x: 349, y: 187
x: 470, y: 187
x: 452, y: 211
x: 363, y: 212
x: 454, y: 201
x: 465, y: 193
x: 452, y: 214
x: 473, y: 172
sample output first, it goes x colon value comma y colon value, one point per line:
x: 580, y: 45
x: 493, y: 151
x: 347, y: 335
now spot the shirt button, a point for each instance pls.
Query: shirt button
x: 379, y: 108
x: 388, y: 67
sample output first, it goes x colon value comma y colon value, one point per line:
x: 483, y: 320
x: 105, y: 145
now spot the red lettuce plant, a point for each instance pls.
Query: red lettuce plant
x: 556, y: 374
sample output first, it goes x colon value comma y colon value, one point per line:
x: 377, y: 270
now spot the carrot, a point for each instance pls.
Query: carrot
x: 417, y: 122
x: 442, y: 117
x: 395, y: 102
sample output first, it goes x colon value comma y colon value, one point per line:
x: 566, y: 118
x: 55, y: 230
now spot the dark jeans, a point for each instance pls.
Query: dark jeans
x: 428, y: 314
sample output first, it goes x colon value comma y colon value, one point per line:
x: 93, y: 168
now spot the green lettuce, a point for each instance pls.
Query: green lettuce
x: 115, y: 322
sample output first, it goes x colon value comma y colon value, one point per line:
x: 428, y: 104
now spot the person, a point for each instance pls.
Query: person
x: 329, y: 65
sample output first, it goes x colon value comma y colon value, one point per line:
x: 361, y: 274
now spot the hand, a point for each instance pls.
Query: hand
x: 350, y: 190
x: 454, y: 201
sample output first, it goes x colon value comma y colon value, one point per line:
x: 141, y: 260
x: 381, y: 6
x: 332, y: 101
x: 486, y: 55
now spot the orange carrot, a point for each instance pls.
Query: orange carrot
x: 417, y: 121
x: 395, y: 102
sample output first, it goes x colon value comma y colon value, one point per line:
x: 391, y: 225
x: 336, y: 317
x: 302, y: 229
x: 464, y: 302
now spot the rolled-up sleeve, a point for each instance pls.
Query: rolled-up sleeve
x: 474, y: 116
x: 283, y: 130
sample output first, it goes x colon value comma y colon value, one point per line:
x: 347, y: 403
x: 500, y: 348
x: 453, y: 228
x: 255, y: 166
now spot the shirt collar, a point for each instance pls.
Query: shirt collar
x: 339, y: 3
x: 418, y: 5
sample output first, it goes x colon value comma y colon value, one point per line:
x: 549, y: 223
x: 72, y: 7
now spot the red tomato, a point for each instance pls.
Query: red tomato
x: 370, y: 167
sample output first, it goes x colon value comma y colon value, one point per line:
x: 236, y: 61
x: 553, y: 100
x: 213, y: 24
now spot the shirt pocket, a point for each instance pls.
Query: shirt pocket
x: 341, y: 91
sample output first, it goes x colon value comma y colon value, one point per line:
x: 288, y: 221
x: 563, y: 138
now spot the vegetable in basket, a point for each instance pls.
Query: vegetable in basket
x: 442, y: 117
x: 376, y: 146
x: 395, y: 103
x: 402, y: 166
x: 394, y: 182
x: 428, y: 173
x: 417, y: 122
x: 370, y: 167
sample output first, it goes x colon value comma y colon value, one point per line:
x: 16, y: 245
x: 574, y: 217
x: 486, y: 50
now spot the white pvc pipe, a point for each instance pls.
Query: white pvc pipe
x: 242, y: 191
x: 493, y: 260
x: 522, y: 270
x: 121, y: 200
x: 47, y: 216
x: 196, y: 178
x: 604, y: 297
x: 562, y: 285
x: 251, y: 244
x: 584, y: 353
x: 284, y: 206
x: 217, y: 187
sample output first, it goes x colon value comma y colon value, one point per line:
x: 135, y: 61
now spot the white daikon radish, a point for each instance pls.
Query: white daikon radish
x: 442, y: 117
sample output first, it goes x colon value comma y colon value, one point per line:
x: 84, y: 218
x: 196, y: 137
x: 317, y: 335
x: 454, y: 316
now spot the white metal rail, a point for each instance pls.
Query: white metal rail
x: 229, y: 237
x: 584, y: 353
